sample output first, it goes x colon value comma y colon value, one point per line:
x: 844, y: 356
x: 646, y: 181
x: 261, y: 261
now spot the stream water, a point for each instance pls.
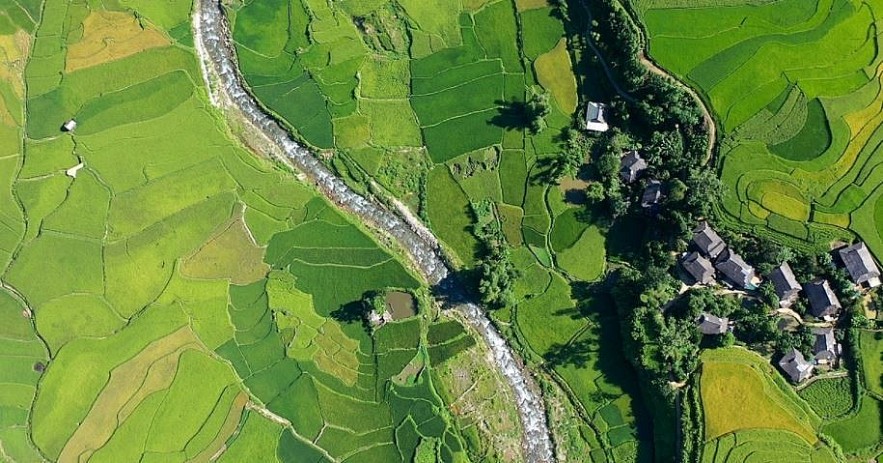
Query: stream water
x: 219, y: 66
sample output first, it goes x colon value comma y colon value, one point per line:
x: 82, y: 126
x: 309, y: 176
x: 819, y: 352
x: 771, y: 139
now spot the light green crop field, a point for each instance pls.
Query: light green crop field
x: 795, y: 88
x: 178, y: 290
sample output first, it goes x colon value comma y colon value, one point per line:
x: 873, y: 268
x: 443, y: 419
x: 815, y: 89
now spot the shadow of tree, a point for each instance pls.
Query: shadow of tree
x: 512, y: 115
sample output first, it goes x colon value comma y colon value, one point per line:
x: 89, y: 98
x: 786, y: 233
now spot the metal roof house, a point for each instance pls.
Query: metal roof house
x: 736, y: 271
x: 69, y: 126
x: 823, y: 303
x: 630, y: 166
x: 795, y: 366
x: 707, y: 240
x: 699, y: 268
x: 825, y: 349
x: 785, y: 284
x: 860, y: 265
x: 710, y: 324
x: 595, y: 117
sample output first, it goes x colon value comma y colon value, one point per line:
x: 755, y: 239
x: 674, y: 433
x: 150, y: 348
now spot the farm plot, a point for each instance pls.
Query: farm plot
x: 871, y: 343
x: 801, y: 132
x: 314, y: 371
x: 862, y: 431
x: 427, y: 104
x: 740, y: 391
x: 130, y: 369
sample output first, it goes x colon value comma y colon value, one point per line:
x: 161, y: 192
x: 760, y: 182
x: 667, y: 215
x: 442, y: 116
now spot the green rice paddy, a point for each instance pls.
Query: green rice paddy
x: 171, y: 302
x: 795, y: 89
x: 420, y: 100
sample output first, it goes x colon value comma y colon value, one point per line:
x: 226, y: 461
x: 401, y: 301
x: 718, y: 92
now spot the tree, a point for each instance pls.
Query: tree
x: 537, y: 109
x: 498, y: 275
x: 594, y: 193
x: 705, y: 190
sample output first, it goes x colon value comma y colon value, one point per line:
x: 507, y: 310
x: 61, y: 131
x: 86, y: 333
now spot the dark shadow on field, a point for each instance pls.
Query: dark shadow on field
x: 353, y: 312
x: 512, y: 115
x: 601, y: 349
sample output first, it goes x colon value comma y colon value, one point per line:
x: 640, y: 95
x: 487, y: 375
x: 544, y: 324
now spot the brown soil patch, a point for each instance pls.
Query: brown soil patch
x: 574, y: 190
x: 401, y: 305
x: 109, y: 36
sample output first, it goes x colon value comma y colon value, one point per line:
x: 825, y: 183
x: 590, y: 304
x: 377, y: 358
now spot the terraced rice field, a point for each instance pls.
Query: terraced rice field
x: 751, y: 412
x: 171, y: 301
x: 796, y: 90
x: 388, y: 91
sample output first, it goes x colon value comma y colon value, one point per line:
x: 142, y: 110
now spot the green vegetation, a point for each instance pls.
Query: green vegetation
x: 829, y: 398
x: 860, y: 431
x: 792, y: 122
x: 460, y: 111
x: 161, y: 302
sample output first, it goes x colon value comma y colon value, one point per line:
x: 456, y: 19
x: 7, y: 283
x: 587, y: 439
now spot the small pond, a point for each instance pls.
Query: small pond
x: 401, y: 305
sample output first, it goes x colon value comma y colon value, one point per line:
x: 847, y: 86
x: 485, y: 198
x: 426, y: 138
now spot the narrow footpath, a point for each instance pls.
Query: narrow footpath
x: 228, y: 93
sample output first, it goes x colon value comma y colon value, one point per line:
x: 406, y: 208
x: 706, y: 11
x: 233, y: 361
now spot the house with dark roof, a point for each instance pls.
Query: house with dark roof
x: 823, y: 303
x: 595, y: 117
x: 707, y: 240
x: 785, y: 284
x: 737, y: 272
x: 710, y: 324
x: 825, y: 349
x: 651, y: 199
x: 795, y: 366
x: 699, y: 268
x: 630, y: 166
x: 860, y: 265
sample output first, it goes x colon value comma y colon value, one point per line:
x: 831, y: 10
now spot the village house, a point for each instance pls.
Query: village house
x: 785, y: 284
x: 595, y: 117
x: 699, y: 268
x: 823, y: 303
x: 69, y: 126
x: 707, y: 240
x: 737, y: 272
x: 795, y: 366
x: 630, y: 166
x: 652, y: 197
x: 825, y: 349
x: 711, y: 325
x: 860, y: 265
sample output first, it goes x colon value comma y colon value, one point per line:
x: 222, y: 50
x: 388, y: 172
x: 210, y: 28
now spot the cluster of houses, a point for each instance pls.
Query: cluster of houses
x: 712, y: 259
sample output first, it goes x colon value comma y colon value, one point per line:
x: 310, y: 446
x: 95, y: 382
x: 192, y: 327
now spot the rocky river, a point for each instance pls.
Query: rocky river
x: 228, y: 92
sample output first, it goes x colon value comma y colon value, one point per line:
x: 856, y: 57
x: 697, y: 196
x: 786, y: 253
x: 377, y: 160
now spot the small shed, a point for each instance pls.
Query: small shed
x: 785, y: 284
x: 795, y: 366
x: 735, y: 269
x: 823, y: 303
x: 630, y: 166
x: 595, y: 117
x: 860, y: 265
x: 651, y: 198
x: 710, y: 324
x: 825, y: 349
x: 707, y: 240
x: 69, y: 126
x: 698, y: 267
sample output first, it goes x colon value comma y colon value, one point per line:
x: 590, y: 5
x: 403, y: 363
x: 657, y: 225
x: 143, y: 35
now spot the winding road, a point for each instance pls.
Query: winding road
x: 229, y: 94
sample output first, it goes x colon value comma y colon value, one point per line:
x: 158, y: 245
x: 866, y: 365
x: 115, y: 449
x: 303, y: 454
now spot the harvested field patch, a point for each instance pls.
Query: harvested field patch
x: 551, y: 75
x: 739, y: 392
x: 229, y: 254
x: 108, y: 36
